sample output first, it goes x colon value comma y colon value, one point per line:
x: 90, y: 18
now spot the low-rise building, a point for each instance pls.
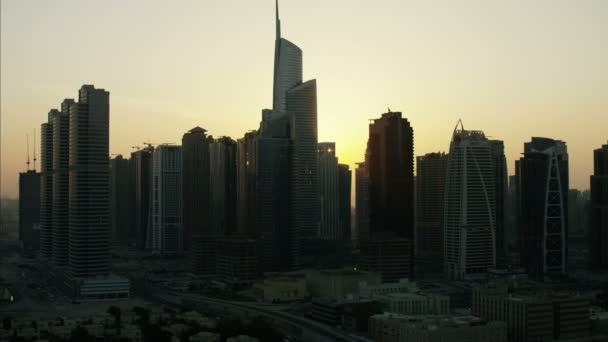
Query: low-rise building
x: 401, y: 328
x: 415, y: 303
x: 403, y: 285
x: 281, y: 289
x: 204, y: 336
x: 339, y: 283
x: 242, y: 338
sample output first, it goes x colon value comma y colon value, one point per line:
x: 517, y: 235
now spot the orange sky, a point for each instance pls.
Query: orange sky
x: 513, y: 69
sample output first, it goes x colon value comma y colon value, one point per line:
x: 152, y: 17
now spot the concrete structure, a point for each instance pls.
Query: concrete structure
x: 361, y: 204
x: 281, y: 289
x: 543, y: 182
x: 46, y: 187
x: 60, y: 123
x: 329, y: 226
x: 196, y: 195
x: 166, y: 229
x: 470, y: 205
x: 389, y: 256
x: 237, y: 261
x: 29, y: 211
x: 401, y: 328
x: 141, y: 168
x: 344, y: 199
x: 414, y: 303
x: 599, y: 208
x: 534, y: 315
x: 339, y: 283
x: 222, y: 161
x: 370, y: 291
x: 121, y: 202
x: 430, y: 190
x: 246, y: 183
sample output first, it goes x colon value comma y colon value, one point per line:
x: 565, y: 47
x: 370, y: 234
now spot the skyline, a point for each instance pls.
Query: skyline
x: 160, y: 108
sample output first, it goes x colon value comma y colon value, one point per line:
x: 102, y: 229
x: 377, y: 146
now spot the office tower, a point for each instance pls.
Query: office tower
x: 500, y: 190
x: 29, y: 210
x: 272, y: 193
x: 196, y: 194
x: 237, y: 261
x: 361, y: 204
x: 511, y: 220
x: 430, y: 190
x: 222, y: 155
x: 166, y: 233
x: 61, y: 156
x: 544, y: 207
x: 328, y: 192
x: 470, y: 205
x: 287, y: 67
x: 141, y: 168
x: 344, y: 194
x: 246, y: 183
x: 389, y: 159
x: 46, y: 187
x: 579, y: 219
x: 121, y: 211
x: 599, y: 208
x: 89, y: 183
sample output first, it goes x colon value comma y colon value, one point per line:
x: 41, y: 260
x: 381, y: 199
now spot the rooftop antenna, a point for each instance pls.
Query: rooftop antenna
x: 27, y: 144
x: 34, y: 150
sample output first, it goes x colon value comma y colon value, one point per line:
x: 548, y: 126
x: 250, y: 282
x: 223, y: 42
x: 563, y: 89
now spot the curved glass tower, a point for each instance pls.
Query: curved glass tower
x: 287, y: 67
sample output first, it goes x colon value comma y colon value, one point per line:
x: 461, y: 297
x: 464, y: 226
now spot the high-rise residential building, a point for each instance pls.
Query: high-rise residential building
x: 89, y: 183
x: 599, y: 208
x: 329, y: 225
x: 361, y: 204
x: 579, y: 222
x: 430, y: 190
x: 501, y: 189
x: 46, y: 187
x: 29, y: 210
x: 61, y: 155
x: 389, y: 160
x: 543, y: 177
x: 246, y: 183
x: 167, y: 233
x: 121, y: 202
x: 196, y: 195
x: 470, y: 204
x: 344, y: 194
x: 141, y: 168
x: 271, y: 165
x: 222, y: 156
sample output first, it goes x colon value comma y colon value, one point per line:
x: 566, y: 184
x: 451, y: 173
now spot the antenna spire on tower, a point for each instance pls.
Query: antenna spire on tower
x: 34, y: 150
x: 278, y: 21
x: 27, y: 144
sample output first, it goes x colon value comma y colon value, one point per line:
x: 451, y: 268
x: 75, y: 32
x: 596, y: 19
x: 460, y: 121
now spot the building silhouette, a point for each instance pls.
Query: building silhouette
x: 141, y: 168
x: 344, y: 193
x: 329, y: 225
x: 501, y: 189
x: 223, y: 190
x: 390, y: 165
x: 46, y: 187
x: 121, y: 201
x: 430, y: 190
x: 60, y: 200
x: 361, y: 204
x: 599, y: 208
x: 246, y: 183
x: 543, y: 177
x: 29, y: 210
x: 470, y: 205
x: 166, y: 231
x: 196, y: 195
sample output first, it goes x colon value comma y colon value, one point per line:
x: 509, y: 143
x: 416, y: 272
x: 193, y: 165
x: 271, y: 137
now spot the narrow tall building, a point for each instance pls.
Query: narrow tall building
x: 246, y: 183
x: 501, y: 189
x: 196, y: 195
x: 61, y: 155
x: 29, y: 211
x: 430, y: 190
x: 599, y: 208
x: 223, y: 186
x: 344, y: 194
x: 89, y: 183
x: 46, y: 187
x: 166, y: 234
x: 544, y: 207
x: 361, y: 204
x: 329, y: 226
x: 121, y: 208
x: 141, y: 169
x: 390, y: 164
x: 470, y: 205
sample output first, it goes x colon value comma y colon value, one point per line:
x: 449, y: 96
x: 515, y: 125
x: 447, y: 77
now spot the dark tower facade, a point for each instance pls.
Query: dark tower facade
x: 430, y: 190
x: 141, y: 168
x: 61, y: 234
x: 599, y: 208
x: 121, y: 202
x: 29, y: 210
x: 543, y: 177
x: 344, y: 193
x: 46, y: 187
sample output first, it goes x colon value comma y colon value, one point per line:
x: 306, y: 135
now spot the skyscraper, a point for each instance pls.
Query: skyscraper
x: 470, y: 205
x: 222, y: 154
x: 246, y: 183
x: 29, y: 210
x: 544, y: 207
x: 196, y: 193
x: 141, y: 168
x: 166, y: 234
x: 361, y: 204
x: 61, y: 154
x: 501, y: 188
x: 121, y: 211
x: 287, y: 67
x: 329, y: 227
x: 344, y: 194
x: 389, y: 160
x: 46, y: 187
x: 599, y: 208
x: 430, y: 190
x: 89, y: 183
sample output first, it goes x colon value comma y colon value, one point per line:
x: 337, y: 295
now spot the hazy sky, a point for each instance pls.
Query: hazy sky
x: 513, y: 69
